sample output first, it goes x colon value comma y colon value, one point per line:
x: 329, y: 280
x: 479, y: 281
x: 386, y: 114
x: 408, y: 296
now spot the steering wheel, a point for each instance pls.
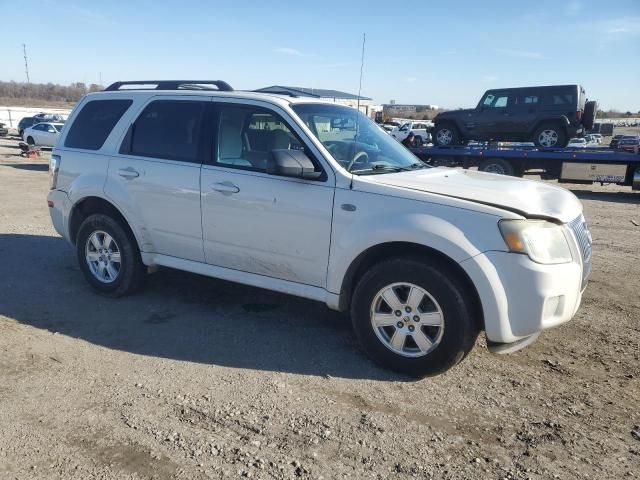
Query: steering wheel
x: 356, y: 157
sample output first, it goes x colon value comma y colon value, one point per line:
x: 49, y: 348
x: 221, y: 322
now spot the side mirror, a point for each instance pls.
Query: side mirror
x: 291, y: 163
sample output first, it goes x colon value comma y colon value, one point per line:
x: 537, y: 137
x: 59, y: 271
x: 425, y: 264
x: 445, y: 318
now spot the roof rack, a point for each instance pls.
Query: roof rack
x: 171, y: 85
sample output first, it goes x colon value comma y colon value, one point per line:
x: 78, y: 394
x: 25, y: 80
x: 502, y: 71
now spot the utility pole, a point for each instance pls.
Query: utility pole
x: 26, y: 62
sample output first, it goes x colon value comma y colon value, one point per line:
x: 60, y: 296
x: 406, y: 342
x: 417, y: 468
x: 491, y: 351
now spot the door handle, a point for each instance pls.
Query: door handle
x: 225, y: 187
x: 128, y: 172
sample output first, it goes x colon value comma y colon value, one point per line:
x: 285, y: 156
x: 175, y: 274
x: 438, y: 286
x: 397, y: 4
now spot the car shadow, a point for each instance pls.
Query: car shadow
x: 36, y: 167
x: 614, y: 197
x: 179, y: 316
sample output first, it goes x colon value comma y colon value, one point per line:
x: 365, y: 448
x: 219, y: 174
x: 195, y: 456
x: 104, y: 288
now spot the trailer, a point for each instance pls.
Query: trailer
x: 567, y: 165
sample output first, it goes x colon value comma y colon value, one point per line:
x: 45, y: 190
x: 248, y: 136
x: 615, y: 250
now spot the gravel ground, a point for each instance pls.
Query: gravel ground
x: 195, y: 378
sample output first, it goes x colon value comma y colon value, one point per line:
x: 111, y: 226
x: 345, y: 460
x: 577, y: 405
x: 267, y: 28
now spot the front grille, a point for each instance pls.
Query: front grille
x: 581, y: 231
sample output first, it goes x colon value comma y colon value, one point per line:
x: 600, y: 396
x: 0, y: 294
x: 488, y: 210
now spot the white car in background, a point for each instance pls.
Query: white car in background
x: 577, y: 143
x: 420, y: 129
x: 42, y: 134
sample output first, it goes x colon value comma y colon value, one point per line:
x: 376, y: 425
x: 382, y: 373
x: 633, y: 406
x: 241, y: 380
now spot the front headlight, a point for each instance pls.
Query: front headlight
x: 544, y: 242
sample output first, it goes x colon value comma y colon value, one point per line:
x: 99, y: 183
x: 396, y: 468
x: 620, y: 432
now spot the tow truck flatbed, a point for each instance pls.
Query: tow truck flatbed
x: 569, y: 165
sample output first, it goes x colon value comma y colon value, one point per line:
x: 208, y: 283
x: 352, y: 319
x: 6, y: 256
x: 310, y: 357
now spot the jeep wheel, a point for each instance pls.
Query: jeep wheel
x: 108, y: 256
x: 445, y: 135
x: 412, y: 317
x: 497, y: 165
x: 549, y: 136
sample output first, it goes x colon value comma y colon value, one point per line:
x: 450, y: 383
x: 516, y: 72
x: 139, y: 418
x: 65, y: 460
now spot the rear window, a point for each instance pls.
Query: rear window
x: 94, y: 123
x: 168, y: 129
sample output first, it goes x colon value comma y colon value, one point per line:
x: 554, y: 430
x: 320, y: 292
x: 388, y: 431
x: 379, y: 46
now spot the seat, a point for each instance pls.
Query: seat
x: 277, y: 139
x: 230, y: 146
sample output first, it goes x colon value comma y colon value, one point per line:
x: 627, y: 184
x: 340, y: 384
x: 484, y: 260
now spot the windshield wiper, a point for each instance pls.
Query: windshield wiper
x: 390, y: 168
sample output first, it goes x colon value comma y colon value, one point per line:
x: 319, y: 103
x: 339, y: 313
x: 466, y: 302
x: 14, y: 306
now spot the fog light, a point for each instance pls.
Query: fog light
x: 552, y: 307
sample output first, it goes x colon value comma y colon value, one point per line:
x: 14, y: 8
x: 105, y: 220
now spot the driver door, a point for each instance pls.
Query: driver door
x: 256, y: 222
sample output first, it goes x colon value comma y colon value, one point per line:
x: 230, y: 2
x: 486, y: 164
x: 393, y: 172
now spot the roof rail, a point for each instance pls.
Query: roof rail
x: 171, y: 85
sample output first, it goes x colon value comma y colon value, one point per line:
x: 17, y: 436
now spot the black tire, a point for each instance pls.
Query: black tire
x: 497, y: 165
x: 440, y: 133
x: 31, y: 141
x: 132, y: 271
x: 589, y: 114
x: 460, y: 328
x: 20, y: 132
x: 560, y: 135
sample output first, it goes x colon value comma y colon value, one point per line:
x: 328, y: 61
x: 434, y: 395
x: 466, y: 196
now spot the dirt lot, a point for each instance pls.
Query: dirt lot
x: 195, y: 378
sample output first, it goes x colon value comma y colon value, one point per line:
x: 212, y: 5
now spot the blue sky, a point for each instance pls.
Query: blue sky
x: 444, y: 53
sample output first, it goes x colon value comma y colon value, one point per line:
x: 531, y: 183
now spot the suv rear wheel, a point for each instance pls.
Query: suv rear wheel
x: 109, y: 258
x: 549, y: 135
x: 446, y: 134
x: 412, y: 317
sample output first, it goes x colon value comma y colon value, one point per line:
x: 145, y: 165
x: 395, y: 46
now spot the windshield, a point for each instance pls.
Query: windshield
x: 58, y: 127
x: 354, y: 141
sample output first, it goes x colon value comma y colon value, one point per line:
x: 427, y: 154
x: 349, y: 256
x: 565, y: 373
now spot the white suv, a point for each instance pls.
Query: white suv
x: 313, y: 199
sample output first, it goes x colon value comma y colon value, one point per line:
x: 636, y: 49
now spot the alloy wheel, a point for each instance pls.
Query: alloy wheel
x: 103, y: 256
x: 407, y: 319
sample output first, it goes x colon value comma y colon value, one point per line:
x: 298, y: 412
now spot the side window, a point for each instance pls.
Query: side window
x: 39, y: 127
x: 496, y: 100
x: 94, y: 123
x: 530, y: 99
x: 246, y: 136
x: 168, y: 129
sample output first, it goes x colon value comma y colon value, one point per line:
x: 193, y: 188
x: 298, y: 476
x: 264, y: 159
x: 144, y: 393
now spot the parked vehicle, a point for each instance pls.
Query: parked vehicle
x: 43, y: 134
x: 594, y: 138
x: 629, y: 144
x: 547, y: 116
x: 4, y: 131
x: 313, y: 199
x: 577, y: 143
x: 49, y: 117
x: 26, y: 122
x: 420, y: 129
x: 615, y: 140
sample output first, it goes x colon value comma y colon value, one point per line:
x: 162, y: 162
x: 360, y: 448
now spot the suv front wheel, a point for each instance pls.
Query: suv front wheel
x: 108, y: 256
x: 412, y: 317
x: 549, y: 135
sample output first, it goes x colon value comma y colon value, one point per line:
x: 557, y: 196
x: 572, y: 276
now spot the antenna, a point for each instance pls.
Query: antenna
x: 26, y: 63
x: 364, y: 41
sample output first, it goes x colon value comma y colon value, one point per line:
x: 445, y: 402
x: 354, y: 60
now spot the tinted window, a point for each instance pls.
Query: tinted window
x: 168, y: 129
x: 94, y: 123
x: 496, y: 100
x: 40, y: 126
x: 246, y: 135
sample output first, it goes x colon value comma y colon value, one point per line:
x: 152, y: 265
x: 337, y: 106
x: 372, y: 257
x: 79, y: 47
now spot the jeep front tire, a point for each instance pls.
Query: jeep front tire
x: 445, y: 135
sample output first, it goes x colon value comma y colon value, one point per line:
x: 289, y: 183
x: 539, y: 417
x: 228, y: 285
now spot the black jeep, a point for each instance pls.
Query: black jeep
x: 547, y: 116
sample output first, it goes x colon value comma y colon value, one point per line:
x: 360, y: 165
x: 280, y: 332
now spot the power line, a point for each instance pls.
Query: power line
x: 26, y: 62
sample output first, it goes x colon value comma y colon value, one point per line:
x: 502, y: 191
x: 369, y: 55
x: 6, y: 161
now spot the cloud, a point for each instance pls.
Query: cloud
x: 573, y: 8
x: 411, y: 79
x: 520, y: 54
x: 489, y: 78
x: 289, y: 51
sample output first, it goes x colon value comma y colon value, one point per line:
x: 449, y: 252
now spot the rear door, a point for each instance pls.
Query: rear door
x: 156, y: 176
x: 260, y: 223
x: 524, y: 109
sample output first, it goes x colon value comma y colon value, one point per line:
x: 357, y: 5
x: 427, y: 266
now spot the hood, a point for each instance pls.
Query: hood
x: 526, y: 197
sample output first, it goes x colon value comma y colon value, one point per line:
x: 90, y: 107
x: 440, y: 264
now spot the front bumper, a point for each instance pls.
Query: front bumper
x: 520, y: 297
x: 59, y: 208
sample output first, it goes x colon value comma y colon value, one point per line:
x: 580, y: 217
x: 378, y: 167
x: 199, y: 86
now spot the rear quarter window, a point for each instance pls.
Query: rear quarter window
x: 94, y: 123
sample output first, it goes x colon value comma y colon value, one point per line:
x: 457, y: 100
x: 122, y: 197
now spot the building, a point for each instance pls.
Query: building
x: 335, y: 96
x: 391, y: 110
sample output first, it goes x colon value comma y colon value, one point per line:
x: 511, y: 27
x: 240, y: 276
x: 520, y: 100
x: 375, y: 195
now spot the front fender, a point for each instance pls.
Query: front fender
x: 457, y: 233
